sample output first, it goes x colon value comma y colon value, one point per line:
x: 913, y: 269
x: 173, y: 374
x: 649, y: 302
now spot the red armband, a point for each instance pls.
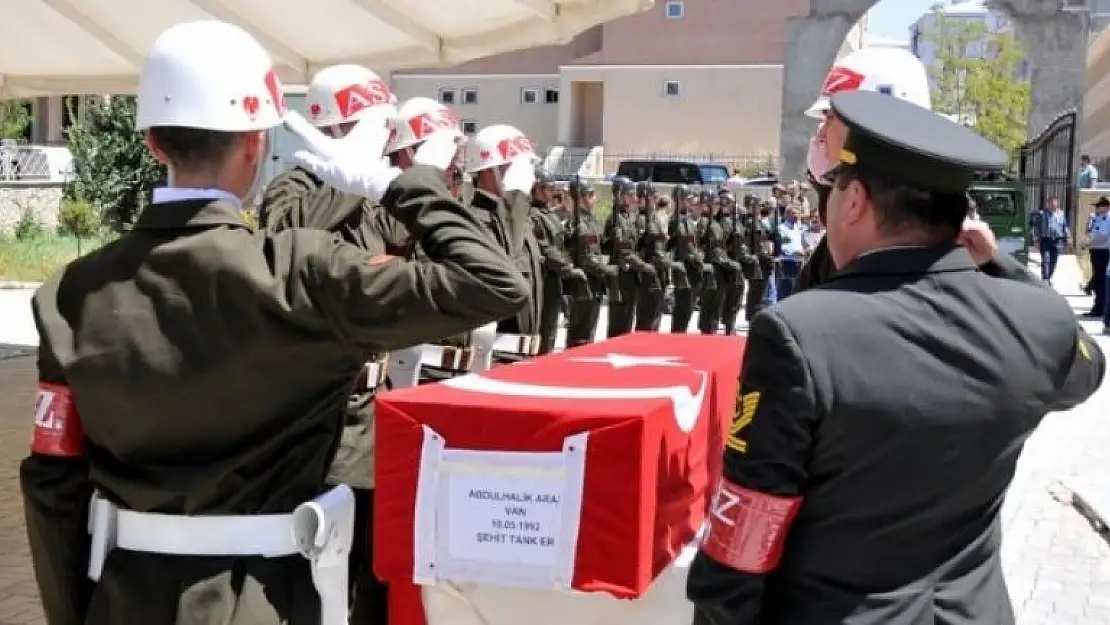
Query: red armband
x: 747, y: 528
x: 58, y: 430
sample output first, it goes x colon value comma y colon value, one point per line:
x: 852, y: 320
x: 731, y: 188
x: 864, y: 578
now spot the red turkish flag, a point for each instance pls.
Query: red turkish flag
x: 656, y: 408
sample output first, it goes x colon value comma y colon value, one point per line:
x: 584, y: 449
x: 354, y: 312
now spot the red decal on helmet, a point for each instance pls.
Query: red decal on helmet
x: 841, y: 79
x: 276, y: 91
x: 747, y: 528
x: 314, y: 110
x: 355, y: 98
x: 251, y: 105
x: 58, y: 430
x: 425, y: 124
x: 513, y: 147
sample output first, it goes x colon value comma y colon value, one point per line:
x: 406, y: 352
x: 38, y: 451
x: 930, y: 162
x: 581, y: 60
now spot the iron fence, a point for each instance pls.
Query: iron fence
x: 33, y: 163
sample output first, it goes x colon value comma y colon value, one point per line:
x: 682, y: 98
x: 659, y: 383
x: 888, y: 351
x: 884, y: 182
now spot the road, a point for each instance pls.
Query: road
x: 1057, y: 566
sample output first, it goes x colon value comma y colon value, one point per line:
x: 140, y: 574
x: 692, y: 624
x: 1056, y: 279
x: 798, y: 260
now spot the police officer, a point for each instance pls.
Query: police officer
x: 582, y: 237
x: 560, y: 274
x: 652, y: 248
x: 298, y: 198
x: 193, y: 373
x: 620, y: 240
x: 685, y: 244
x: 895, y: 72
x: 501, y: 162
x: 866, y: 487
x: 744, y: 264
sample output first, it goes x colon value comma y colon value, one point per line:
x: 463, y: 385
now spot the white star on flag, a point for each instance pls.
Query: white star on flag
x: 623, y: 361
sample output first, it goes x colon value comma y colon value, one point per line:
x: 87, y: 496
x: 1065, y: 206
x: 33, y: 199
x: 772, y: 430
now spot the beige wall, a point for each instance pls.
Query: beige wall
x: 1095, y: 130
x: 500, y: 100
x: 729, y: 110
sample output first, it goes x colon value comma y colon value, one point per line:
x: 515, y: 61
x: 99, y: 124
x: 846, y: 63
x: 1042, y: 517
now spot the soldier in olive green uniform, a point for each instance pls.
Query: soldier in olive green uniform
x: 583, y: 246
x: 736, y: 245
x: 653, y: 251
x: 683, y: 241
x: 622, y: 235
x: 762, y: 237
x: 193, y: 374
x: 559, y: 271
x: 715, y: 246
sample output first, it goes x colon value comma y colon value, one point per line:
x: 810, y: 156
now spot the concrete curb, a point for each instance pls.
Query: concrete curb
x: 10, y: 285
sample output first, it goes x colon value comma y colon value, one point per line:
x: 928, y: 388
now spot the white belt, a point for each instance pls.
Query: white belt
x: 525, y: 344
x: 375, y: 373
x: 320, y: 530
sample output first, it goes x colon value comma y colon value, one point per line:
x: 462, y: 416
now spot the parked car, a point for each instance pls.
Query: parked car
x: 674, y: 172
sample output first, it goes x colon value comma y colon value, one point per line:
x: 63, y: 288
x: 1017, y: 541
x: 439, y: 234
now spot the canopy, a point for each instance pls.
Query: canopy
x: 52, y: 47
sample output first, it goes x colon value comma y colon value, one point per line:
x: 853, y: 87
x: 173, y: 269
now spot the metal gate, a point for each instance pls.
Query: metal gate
x: 1047, y: 167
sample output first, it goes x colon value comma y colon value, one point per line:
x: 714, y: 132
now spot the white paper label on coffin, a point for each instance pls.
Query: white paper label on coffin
x: 686, y: 405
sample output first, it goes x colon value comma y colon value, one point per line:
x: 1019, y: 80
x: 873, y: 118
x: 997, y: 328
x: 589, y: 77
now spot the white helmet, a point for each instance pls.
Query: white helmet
x: 344, y: 93
x: 418, y: 119
x: 498, y: 145
x: 892, y: 71
x: 212, y: 76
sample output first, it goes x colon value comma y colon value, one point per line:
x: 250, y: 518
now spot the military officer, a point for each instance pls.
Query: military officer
x: 338, y: 98
x: 582, y: 239
x: 619, y: 241
x: 193, y: 373
x: 891, y: 71
x: 558, y: 269
x: 501, y: 162
x: 744, y: 264
x: 762, y: 236
x: 714, y: 244
x: 684, y: 242
x: 850, y: 493
x: 652, y: 249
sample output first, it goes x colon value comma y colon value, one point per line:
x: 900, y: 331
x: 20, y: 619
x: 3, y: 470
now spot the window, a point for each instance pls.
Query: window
x: 470, y: 96
x: 675, y: 9
x: 529, y: 96
x: 551, y: 96
x: 447, y: 96
x: 671, y: 89
x: 469, y: 126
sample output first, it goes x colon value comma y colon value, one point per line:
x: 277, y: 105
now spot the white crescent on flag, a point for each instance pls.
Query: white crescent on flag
x: 687, y: 405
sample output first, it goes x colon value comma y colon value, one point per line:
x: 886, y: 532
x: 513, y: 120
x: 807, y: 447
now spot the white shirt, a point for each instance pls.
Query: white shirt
x: 165, y: 195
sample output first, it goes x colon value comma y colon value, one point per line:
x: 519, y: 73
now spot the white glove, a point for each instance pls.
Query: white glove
x: 437, y: 151
x: 353, y: 164
x: 520, y: 176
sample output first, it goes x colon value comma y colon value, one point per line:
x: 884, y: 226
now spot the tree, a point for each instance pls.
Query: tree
x: 112, y: 169
x: 976, y: 78
x: 15, y: 119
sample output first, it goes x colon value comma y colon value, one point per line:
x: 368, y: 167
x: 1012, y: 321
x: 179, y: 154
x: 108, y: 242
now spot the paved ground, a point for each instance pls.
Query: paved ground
x: 1058, y: 567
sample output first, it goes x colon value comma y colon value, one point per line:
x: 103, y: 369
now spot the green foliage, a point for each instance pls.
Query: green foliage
x: 15, y: 119
x: 36, y: 258
x: 80, y: 220
x: 112, y: 168
x: 977, y: 79
x: 28, y: 226
x: 754, y: 168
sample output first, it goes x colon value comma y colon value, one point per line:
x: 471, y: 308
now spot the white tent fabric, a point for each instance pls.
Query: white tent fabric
x: 97, y: 46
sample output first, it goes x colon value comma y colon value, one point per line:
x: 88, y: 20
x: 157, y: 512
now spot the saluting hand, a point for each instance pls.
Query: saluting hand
x: 354, y: 164
x: 979, y: 240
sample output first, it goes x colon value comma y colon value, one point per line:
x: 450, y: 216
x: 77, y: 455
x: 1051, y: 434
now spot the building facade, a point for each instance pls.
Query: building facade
x: 689, y: 77
x: 969, y: 11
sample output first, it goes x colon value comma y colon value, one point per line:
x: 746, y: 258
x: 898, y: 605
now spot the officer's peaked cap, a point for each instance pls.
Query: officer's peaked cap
x: 902, y: 143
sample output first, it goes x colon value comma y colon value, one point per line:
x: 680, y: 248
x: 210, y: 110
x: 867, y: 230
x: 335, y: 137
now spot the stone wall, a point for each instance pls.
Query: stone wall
x: 42, y: 200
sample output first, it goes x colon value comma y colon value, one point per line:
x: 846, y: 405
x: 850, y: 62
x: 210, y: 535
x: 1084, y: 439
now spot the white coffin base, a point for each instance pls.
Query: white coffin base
x: 474, y: 604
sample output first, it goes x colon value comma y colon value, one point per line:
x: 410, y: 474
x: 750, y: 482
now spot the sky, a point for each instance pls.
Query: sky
x: 891, y: 19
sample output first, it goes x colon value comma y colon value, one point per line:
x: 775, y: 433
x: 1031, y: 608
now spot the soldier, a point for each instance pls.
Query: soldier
x: 337, y: 99
x: 619, y: 241
x: 715, y: 247
x: 193, y: 373
x: 891, y: 71
x: 683, y: 240
x: 844, y: 497
x: 745, y: 264
x: 559, y: 272
x: 762, y: 237
x: 583, y: 246
x: 501, y: 163
x: 652, y: 248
